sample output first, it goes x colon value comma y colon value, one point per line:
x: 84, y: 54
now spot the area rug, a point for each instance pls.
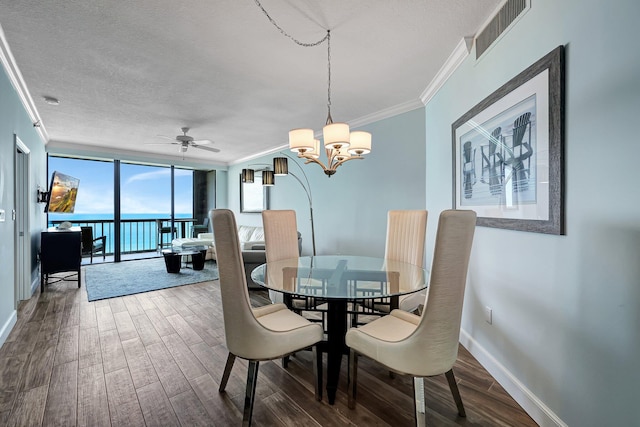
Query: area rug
x: 133, y: 277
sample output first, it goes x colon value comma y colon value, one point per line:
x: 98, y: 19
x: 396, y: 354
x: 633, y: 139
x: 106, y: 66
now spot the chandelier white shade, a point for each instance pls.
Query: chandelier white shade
x: 301, y: 140
x: 360, y: 143
x: 336, y: 135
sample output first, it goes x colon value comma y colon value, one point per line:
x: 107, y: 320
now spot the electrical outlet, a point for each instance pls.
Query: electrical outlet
x: 488, y: 315
x: 2, y: 215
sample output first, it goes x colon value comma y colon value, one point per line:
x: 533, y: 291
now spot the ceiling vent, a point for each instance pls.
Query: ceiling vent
x: 506, y: 16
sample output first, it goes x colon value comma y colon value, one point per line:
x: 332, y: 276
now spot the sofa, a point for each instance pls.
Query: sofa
x: 251, y: 242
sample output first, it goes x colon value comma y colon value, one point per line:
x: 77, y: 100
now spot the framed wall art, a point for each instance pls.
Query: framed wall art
x: 508, y: 152
x: 254, y: 197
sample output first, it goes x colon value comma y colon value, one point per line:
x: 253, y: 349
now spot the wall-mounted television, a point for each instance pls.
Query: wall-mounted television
x: 63, y: 192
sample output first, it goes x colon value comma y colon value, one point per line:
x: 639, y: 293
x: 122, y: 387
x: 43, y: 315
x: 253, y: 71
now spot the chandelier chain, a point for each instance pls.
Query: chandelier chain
x: 327, y: 37
x: 284, y: 33
x: 329, y: 119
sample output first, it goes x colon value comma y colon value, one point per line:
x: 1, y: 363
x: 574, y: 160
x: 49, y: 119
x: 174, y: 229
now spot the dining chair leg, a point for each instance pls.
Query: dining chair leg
x: 250, y: 394
x: 317, y: 371
x: 353, y: 378
x: 455, y: 392
x: 227, y: 371
x: 419, y: 404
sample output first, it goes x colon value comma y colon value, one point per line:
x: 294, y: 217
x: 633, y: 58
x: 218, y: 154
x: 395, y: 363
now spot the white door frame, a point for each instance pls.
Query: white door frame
x: 22, y: 203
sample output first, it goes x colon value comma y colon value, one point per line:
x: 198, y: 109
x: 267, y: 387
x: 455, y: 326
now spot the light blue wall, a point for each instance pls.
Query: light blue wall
x: 350, y: 208
x: 14, y: 120
x: 566, y: 309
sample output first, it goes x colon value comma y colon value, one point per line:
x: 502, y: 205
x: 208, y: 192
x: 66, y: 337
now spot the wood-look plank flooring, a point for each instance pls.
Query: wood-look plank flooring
x: 156, y: 359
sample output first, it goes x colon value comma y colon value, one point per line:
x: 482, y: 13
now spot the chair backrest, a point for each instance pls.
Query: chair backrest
x: 280, y: 234
x: 406, y: 231
x: 244, y: 335
x: 87, y: 239
x: 439, y: 327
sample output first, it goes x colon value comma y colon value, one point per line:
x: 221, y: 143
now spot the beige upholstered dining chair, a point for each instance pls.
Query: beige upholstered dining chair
x: 427, y: 345
x: 264, y: 333
x: 406, y: 230
x: 281, y: 243
x: 280, y: 239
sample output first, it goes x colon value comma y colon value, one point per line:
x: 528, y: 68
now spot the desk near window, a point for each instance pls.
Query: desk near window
x: 340, y: 280
x: 60, y: 251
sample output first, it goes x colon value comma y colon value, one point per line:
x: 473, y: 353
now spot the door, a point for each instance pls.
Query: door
x: 22, y: 235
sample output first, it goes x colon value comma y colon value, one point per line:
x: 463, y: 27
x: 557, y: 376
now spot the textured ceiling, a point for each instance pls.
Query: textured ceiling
x: 126, y: 72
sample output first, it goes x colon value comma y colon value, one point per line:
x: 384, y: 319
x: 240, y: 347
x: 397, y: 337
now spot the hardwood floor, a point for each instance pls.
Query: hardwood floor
x: 156, y: 359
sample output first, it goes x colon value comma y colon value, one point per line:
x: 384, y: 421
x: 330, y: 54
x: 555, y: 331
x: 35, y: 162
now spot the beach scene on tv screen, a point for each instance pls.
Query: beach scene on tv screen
x: 64, y: 190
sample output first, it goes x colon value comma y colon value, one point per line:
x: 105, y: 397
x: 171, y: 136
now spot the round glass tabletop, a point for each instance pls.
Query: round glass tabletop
x: 341, y: 277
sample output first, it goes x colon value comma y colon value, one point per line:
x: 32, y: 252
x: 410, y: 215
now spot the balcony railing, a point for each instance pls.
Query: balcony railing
x: 136, y: 235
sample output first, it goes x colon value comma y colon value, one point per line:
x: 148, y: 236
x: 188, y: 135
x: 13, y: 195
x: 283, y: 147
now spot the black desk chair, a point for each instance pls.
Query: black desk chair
x: 90, y: 245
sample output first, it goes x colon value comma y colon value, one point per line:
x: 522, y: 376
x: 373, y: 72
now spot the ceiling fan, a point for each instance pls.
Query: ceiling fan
x: 185, y: 141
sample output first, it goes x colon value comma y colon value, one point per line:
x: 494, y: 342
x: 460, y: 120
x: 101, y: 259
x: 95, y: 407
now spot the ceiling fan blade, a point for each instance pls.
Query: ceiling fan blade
x: 201, y: 141
x: 213, y: 150
x: 161, y: 143
x: 173, y: 138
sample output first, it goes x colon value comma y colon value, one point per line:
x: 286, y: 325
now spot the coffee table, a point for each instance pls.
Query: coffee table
x: 173, y: 258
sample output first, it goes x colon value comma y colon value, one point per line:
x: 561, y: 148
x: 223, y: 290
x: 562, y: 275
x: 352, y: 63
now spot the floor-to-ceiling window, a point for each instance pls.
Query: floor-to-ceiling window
x: 156, y: 203
x: 94, y: 200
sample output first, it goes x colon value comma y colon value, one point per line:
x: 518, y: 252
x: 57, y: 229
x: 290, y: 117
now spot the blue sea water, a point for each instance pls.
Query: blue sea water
x: 138, y: 231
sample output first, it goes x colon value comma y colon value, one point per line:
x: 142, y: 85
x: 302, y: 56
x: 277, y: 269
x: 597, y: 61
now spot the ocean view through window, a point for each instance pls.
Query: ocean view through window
x: 145, y: 202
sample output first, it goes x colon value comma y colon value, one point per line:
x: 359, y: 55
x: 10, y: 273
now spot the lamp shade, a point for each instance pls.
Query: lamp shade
x: 360, y: 143
x: 336, y: 135
x: 301, y: 140
x: 247, y: 175
x: 280, y: 166
x: 342, y: 154
x: 315, y: 153
x: 268, y: 178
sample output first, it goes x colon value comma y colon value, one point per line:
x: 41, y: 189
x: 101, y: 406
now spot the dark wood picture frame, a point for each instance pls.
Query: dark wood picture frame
x: 505, y: 191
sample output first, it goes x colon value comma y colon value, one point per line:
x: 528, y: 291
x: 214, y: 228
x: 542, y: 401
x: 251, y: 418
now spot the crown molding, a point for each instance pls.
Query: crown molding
x: 260, y: 154
x: 386, y: 113
x: 458, y: 55
x: 15, y: 76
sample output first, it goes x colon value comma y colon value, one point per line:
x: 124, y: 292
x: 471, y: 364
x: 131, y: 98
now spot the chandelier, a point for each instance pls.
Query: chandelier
x: 340, y: 144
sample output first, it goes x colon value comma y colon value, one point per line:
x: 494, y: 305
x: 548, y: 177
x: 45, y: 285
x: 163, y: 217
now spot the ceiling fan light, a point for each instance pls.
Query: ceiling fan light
x: 336, y: 135
x: 183, y: 148
x: 360, y: 143
x: 301, y: 140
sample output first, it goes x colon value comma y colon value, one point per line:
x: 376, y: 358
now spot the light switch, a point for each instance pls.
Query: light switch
x: 2, y: 215
x: 488, y: 315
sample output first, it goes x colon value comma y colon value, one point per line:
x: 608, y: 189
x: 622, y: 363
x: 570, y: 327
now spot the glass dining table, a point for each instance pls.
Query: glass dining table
x: 340, y: 280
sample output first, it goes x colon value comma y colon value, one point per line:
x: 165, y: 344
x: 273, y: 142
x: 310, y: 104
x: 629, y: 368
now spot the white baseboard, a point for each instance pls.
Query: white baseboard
x: 8, y: 326
x: 535, y: 407
x: 34, y: 285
